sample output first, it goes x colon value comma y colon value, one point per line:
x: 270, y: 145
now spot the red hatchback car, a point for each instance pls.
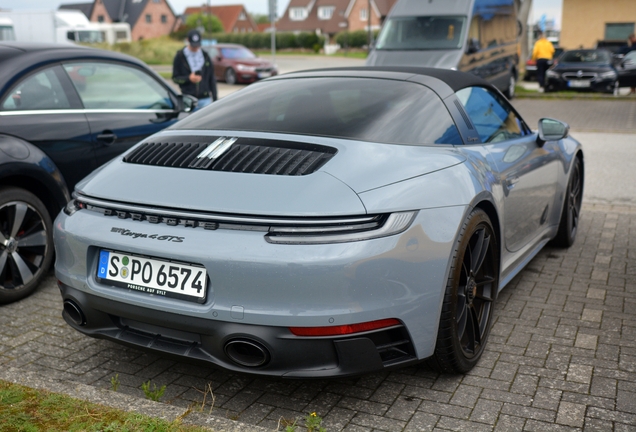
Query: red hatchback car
x: 237, y: 64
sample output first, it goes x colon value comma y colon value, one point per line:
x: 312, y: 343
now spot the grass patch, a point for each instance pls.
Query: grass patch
x: 26, y: 409
x: 151, y: 51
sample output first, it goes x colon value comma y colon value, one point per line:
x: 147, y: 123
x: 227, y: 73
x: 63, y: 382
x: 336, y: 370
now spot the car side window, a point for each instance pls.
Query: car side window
x: 493, y: 117
x: 114, y: 86
x: 40, y: 91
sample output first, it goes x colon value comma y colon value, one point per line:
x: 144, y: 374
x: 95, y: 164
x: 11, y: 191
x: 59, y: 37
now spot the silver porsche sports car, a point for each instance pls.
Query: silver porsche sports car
x: 322, y: 223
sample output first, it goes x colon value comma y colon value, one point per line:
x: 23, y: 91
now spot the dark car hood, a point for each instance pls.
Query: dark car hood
x: 332, y: 190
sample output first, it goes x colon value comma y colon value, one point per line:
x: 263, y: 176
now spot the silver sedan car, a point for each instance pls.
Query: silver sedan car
x: 323, y: 223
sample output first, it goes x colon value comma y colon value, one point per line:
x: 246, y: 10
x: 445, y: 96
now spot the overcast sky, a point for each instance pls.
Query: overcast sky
x: 552, y: 8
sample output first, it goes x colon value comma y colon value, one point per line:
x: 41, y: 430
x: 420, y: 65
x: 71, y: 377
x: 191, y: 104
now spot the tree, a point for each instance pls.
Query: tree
x: 210, y: 23
x: 260, y: 18
x: 523, y: 12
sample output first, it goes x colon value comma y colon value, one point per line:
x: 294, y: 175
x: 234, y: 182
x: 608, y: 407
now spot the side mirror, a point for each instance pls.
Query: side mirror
x: 473, y: 46
x: 552, y: 130
x: 186, y: 103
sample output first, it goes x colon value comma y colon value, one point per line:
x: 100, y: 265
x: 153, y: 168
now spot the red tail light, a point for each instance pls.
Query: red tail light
x: 344, y: 329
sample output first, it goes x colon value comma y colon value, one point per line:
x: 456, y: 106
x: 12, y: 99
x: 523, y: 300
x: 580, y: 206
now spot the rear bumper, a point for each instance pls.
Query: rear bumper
x: 278, y: 352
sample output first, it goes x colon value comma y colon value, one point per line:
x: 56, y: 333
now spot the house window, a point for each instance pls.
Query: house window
x: 363, y: 15
x: 242, y: 16
x: 618, y: 31
x: 164, y: 19
x: 148, y: 18
x: 325, y: 12
x: 100, y: 18
x: 297, y: 14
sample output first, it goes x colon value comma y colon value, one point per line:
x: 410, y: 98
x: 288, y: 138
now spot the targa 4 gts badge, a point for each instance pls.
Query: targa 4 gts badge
x: 137, y: 235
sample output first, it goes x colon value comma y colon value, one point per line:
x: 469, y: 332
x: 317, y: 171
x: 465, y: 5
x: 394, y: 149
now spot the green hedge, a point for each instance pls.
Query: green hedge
x: 354, y: 39
x: 263, y: 40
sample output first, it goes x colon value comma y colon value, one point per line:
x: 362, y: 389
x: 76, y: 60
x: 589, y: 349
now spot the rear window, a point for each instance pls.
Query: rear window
x: 375, y: 110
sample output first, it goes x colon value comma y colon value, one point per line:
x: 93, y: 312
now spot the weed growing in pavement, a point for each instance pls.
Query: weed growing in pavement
x: 208, y: 389
x: 154, y: 394
x: 114, y: 382
x: 313, y: 423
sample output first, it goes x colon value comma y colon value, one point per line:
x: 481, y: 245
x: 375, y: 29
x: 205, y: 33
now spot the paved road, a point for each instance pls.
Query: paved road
x: 562, y: 354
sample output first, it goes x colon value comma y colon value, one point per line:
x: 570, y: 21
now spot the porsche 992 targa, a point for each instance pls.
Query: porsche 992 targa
x: 322, y: 223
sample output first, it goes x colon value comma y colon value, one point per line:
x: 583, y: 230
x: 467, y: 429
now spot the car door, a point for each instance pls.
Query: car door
x: 44, y: 109
x: 123, y: 104
x: 528, y: 171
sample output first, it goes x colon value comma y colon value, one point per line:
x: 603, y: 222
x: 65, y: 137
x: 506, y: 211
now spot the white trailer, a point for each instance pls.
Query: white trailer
x: 6, y: 29
x: 53, y: 26
x: 113, y: 33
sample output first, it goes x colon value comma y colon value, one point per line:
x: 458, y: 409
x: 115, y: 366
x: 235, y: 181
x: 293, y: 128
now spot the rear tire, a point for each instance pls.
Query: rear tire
x: 26, y: 243
x: 511, y: 89
x: 469, y: 299
x: 230, y: 76
x: 569, y: 223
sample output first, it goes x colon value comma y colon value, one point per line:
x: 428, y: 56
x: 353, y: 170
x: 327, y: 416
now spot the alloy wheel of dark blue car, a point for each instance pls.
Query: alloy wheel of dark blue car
x: 25, y: 243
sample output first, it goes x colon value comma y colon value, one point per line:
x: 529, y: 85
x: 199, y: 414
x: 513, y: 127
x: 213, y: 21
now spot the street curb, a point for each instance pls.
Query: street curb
x: 124, y: 402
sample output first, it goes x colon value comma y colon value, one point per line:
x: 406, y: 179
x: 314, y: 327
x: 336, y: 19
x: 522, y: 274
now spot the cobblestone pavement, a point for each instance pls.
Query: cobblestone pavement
x: 562, y: 356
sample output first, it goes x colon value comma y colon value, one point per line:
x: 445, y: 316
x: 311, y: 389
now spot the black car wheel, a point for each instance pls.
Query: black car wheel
x: 26, y: 243
x: 569, y: 223
x: 230, y: 76
x: 469, y: 298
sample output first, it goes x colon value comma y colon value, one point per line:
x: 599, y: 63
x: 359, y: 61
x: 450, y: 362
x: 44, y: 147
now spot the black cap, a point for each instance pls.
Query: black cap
x: 194, y: 38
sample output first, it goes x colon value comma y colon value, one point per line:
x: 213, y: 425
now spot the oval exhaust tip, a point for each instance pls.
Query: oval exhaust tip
x: 74, y: 312
x: 247, y: 353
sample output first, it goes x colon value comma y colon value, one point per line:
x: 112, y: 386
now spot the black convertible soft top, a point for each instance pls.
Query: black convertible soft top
x: 454, y: 79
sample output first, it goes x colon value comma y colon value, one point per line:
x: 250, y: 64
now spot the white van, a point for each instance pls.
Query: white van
x: 6, y: 29
x: 478, y: 36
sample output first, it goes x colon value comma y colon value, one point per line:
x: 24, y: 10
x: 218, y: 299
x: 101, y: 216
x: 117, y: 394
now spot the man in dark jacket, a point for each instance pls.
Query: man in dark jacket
x: 193, y: 70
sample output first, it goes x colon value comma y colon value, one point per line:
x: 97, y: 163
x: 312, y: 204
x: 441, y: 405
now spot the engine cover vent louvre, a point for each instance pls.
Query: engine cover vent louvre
x: 243, y: 155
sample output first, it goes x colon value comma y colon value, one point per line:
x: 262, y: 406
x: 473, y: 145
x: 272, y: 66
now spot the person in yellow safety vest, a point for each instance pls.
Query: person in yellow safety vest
x: 542, y: 53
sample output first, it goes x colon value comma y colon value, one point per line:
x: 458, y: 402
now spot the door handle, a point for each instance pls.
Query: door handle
x: 107, y: 137
x: 511, y: 182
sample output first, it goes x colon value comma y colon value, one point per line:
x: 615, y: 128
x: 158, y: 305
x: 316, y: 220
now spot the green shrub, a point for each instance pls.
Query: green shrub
x: 354, y: 39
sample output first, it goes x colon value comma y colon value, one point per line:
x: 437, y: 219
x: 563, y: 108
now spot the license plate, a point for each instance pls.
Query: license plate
x: 264, y: 74
x: 580, y: 83
x: 153, y: 276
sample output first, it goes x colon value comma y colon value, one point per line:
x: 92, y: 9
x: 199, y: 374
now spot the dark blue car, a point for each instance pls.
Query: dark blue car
x: 64, y: 111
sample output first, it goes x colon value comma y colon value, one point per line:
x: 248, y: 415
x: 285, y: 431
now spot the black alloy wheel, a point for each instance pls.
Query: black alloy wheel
x: 230, y: 76
x: 471, y: 291
x: 26, y: 243
x: 569, y: 223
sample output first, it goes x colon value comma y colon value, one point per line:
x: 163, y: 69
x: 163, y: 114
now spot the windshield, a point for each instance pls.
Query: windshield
x: 422, y: 33
x: 86, y: 36
x: 6, y: 33
x: 352, y: 108
x: 585, y: 57
x: 237, y: 53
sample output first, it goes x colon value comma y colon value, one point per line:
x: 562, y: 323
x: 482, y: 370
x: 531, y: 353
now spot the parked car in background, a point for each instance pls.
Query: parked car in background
x: 531, y: 65
x: 584, y: 69
x: 237, y: 64
x: 476, y: 36
x: 64, y: 111
x: 627, y: 70
x: 321, y: 223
